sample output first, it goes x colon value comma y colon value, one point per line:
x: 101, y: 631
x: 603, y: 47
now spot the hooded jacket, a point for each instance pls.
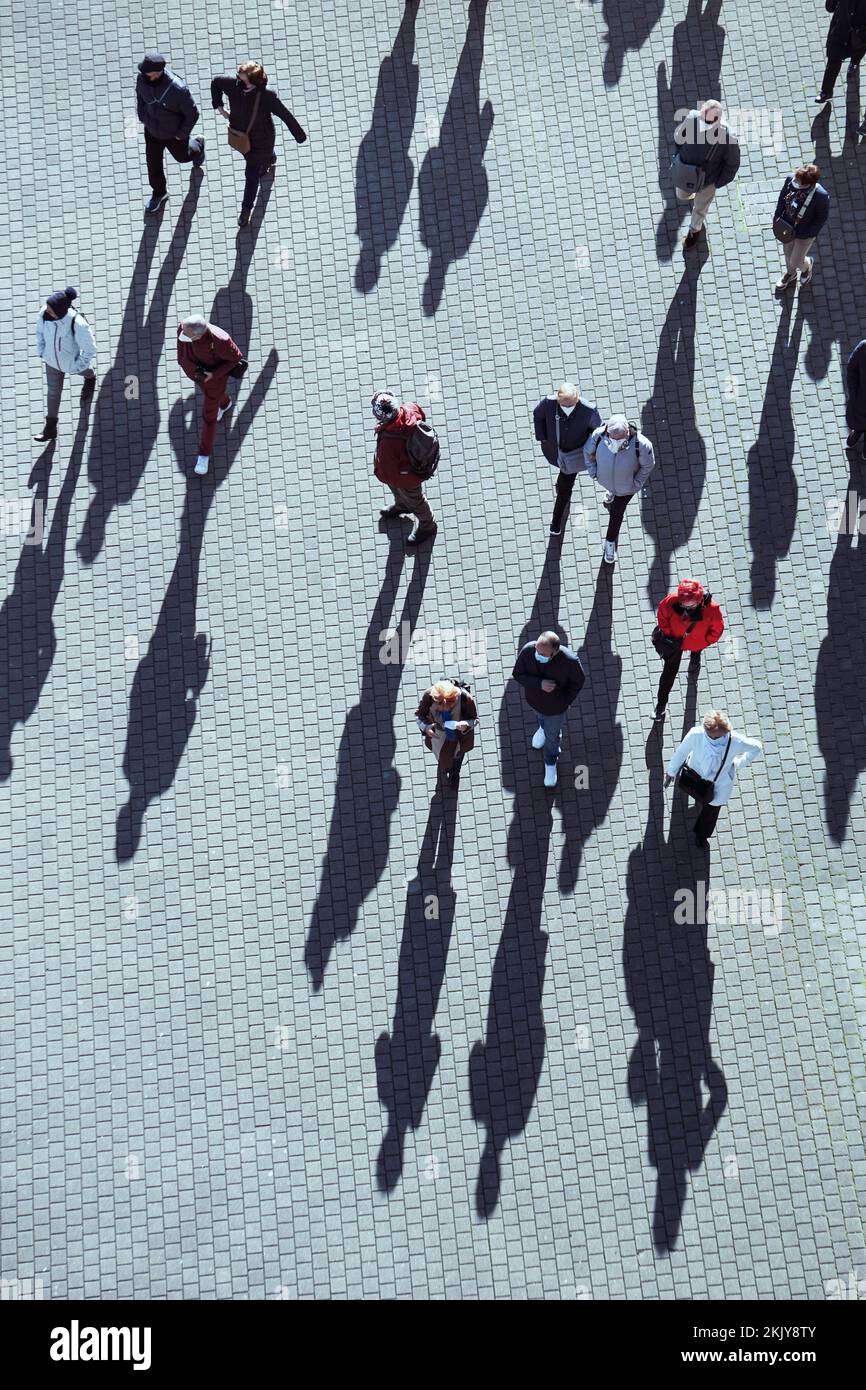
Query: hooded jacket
x: 622, y: 471
x: 391, y: 464
x: 674, y: 620
x: 717, y: 153
x: 165, y: 108
x: 214, y: 350
x: 816, y: 213
x: 564, y: 668
x: 241, y: 103
x: 574, y: 429
x: 65, y: 344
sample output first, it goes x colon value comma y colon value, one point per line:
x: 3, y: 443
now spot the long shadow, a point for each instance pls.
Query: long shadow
x: 384, y: 171
x: 840, y: 674
x: 770, y: 463
x: 127, y: 418
x: 28, y: 641
x: 368, y: 784
x: 669, y: 978
x: 670, y: 501
x: 407, y: 1058
x: 629, y: 25
x: 695, y: 76
x: 452, y: 185
x: 163, y: 703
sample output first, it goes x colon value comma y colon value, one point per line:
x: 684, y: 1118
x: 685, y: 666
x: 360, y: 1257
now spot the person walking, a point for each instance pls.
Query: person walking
x: 250, y: 116
x: 707, y: 761
x: 168, y: 113
x: 552, y: 678
x: 446, y: 716
x: 393, y: 465
x: 687, y: 621
x: 65, y: 343
x: 620, y: 459
x: 209, y: 357
x: 802, y: 208
x: 846, y: 38
x: 707, y: 159
x: 855, y: 407
x: 563, y: 423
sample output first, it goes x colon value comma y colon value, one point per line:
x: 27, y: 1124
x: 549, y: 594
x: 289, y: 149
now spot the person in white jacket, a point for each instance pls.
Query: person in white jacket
x: 714, y: 751
x: 65, y: 344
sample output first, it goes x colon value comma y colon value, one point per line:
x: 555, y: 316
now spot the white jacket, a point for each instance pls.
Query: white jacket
x: 705, y: 754
x: 60, y: 347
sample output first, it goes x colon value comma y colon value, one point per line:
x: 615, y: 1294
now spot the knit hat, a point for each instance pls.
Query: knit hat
x: 60, y: 302
x: 152, y: 62
x: 689, y: 589
x: 385, y: 406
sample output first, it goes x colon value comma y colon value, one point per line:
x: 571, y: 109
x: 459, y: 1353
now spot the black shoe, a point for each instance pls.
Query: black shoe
x: 691, y: 239
x: 393, y: 512
x: 422, y: 535
x: 49, y: 431
x: 554, y: 529
x: 156, y: 202
x: 701, y: 841
x: 243, y: 220
x: 822, y: 99
x: 659, y: 714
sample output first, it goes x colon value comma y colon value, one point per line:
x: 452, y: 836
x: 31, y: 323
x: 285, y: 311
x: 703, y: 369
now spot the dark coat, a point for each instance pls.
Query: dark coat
x: 564, y: 668
x: 392, y: 464
x: 847, y: 15
x: 720, y: 159
x: 816, y: 213
x: 165, y: 108
x: 581, y: 423
x: 241, y: 102
x: 465, y: 708
x: 855, y: 381
x: 215, y: 351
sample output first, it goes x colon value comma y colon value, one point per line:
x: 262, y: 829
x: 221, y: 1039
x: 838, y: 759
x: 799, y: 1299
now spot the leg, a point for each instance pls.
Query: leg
x: 186, y: 150
x: 701, y: 205
x: 617, y: 512
x: 800, y: 258
x: 831, y: 72
x: 399, y: 508
x: 670, y: 671
x: 414, y: 501
x: 55, y: 381
x: 212, y: 401
x: 255, y: 167
x: 564, y: 489
x: 552, y: 726
x: 155, y: 151
x: 706, y: 822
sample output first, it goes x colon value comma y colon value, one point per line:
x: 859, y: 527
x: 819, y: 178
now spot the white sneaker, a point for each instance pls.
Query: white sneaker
x: 787, y: 280
x: 202, y: 464
x: 806, y: 272
x: 223, y: 408
x: 550, y: 776
x: 538, y: 738
x: 609, y: 553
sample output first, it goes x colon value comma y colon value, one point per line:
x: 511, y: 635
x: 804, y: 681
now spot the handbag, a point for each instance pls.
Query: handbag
x: 689, y: 178
x: 701, y: 788
x: 786, y: 231
x: 240, y: 139
x: 580, y: 466
x: 665, y: 644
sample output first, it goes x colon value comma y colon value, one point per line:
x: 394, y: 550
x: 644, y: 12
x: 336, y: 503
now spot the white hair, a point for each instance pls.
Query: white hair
x: 567, y: 389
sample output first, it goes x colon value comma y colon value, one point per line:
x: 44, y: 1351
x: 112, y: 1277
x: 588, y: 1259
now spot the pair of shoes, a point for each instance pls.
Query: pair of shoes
x: 422, y: 535
x: 555, y: 530
x: 202, y: 464
x: 244, y: 218
x: 787, y: 282
x: 701, y: 841
x: 610, y: 552
x: 659, y: 713
x: 224, y: 409
x: 393, y: 512
x: 822, y: 98
x: 806, y: 273
x: 691, y: 238
x: 49, y: 430
x: 550, y: 775
x: 538, y: 738
x: 156, y: 202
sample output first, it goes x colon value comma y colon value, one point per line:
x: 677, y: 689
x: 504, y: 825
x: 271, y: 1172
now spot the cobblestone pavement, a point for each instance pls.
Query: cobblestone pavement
x: 278, y: 1021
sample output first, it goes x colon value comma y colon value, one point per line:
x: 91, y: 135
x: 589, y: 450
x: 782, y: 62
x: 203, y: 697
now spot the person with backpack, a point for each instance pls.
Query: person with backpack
x: 552, y: 678
x: 251, y: 125
x: 802, y: 208
x: 563, y: 423
x: 209, y: 357
x: 687, y: 621
x: 846, y: 38
x: 407, y: 453
x: 620, y: 459
x: 168, y: 113
x: 705, y: 766
x: 65, y: 343
x: 707, y: 159
x: 446, y: 716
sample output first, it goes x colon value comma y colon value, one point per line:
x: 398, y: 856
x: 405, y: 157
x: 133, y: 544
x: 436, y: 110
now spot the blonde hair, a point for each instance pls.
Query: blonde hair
x: 254, y: 73
x: 710, y: 106
x: 444, y: 693
x: 567, y: 388
x: 717, y: 719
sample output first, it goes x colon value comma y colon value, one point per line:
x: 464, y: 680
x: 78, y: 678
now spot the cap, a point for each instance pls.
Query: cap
x: 152, y: 62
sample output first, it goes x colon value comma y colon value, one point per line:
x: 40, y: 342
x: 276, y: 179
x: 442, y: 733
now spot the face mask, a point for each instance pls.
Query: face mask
x: 567, y: 409
x: 616, y: 444
x: 543, y: 659
x: 797, y: 183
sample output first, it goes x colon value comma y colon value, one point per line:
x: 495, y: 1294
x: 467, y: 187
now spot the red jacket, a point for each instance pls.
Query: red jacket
x: 215, y: 350
x: 392, y: 459
x: 707, y: 630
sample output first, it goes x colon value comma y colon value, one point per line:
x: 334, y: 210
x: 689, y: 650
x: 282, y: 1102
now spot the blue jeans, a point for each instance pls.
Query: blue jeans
x: 552, y: 726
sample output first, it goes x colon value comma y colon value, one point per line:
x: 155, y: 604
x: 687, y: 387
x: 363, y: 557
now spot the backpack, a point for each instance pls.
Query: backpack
x: 422, y: 446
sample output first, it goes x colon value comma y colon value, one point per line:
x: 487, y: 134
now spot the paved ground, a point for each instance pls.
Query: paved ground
x: 277, y: 1023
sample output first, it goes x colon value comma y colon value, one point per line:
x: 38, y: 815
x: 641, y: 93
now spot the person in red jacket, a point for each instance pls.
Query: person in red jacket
x: 690, y: 616
x: 392, y: 466
x: 208, y: 356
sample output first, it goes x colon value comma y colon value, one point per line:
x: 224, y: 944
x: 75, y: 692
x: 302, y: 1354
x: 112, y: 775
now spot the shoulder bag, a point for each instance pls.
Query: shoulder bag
x: 783, y: 229
x: 701, y: 788
x: 665, y: 644
x: 240, y: 139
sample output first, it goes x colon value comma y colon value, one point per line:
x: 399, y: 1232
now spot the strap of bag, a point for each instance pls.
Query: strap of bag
x: 255, y: 112
x: 724, y: 760
x: 803, y: 205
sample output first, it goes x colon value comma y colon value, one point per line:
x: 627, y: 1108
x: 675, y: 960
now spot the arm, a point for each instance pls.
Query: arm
x: 186, y: 108
x: 40, y: 337
x: 539, y: 421
x: 522, y: 674
x: 730, y: 162
x: 85, y: 344
x: 646, y: 464
x: 750, y: 750
x: 589, y: 449
x: 217, y: 92
x: 664, y: 617
x: 576, y: 680
x: 820, y: 211
x: 715, y: 625
x: 278, y: 109
x: 230, y: 355
x: 852, y: 368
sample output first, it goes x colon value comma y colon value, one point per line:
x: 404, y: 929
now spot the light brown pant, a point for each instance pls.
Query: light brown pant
x: 796, y: 252
x: 700, y: 202
x: 412, y: 499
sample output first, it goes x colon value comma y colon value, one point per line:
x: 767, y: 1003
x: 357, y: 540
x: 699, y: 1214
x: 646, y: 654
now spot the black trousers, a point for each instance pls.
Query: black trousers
x: 670, y: 671
x: 834, y: 67
x: 706, y: 821
x: 182, y: 150
x: 564, y: 489
x: 258, y: 162
x: 617, y: 512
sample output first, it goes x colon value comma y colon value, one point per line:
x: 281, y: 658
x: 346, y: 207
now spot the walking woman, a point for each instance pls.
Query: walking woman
x: 65, y: 344
x: 687, y: 621
x: 251, y: 125
x: 447, y: 716
x: 846, y: 38
x: 802, y: 209
x: 707, y: 761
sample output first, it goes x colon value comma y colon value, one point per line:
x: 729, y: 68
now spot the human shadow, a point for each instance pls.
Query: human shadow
x: 672, y: 497
x: 695, y: 77
x: 384, y: 171
x: 840, y: 688
x: 629, y: 25
x: 368, y: 784
x: 126, y: 419
x: 28, y: 639
x: 163, y: 703
x: 407, y: 1057
x: 452, y: 185
x: 770, y: 464
x: 232, y: 307
x: 669, y: 977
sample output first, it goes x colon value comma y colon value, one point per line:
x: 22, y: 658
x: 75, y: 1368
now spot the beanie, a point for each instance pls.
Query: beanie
x: 61, y: 301
x: 152, y: 62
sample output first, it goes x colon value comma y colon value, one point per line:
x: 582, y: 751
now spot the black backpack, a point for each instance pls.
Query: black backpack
x: 422, y: 446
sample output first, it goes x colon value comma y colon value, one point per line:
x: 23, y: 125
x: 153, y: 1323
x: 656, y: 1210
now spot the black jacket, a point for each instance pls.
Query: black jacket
x: 847, y: 15
x: 165, y: 108
x: 718, y: 156
x: 564, y: 668
x: 241, y: 102
x: 855, y: 380
x: 574, y: 429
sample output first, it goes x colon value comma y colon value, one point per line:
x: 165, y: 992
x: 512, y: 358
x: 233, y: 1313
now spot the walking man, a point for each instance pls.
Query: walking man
x: 563, y: 423
x: 393, y: 466
x: 620, y: 459
x: 552, y: 678
x: 208, y: 356
x: 65, y: 344
x: 707, y: 159
x: 168, y: 113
